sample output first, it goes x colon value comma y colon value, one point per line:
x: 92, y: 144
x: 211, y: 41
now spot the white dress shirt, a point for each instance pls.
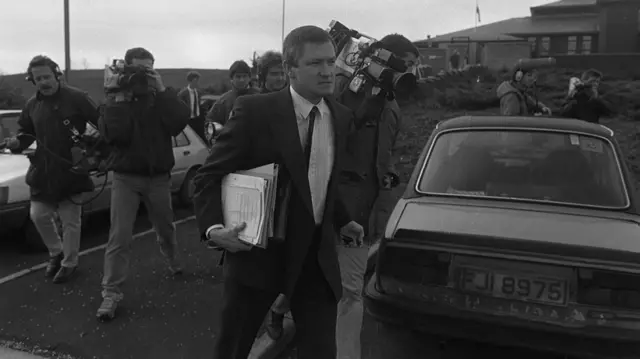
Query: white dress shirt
x: 193, y: 98
x: 322, y: 148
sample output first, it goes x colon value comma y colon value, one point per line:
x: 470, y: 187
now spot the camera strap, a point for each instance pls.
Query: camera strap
x: 75, y: 134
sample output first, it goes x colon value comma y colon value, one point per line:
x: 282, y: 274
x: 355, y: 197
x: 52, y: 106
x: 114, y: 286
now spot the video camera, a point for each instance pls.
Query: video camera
x: 123, y: 82
x: 365, y: 61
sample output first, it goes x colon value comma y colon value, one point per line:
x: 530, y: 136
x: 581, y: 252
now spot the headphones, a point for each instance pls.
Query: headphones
x: 46, y: 61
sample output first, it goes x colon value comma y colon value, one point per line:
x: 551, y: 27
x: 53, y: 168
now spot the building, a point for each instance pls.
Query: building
x: 560, y: 28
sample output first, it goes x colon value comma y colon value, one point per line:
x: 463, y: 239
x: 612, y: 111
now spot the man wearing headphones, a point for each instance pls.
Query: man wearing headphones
x: 514, y: 101
x: 55, y: 118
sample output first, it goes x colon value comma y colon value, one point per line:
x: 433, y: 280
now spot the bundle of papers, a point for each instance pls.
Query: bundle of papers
x: 250, y: 197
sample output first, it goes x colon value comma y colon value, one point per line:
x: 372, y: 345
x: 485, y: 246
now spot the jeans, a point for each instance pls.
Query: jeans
x: 353, y: 264
x: 43, y: 216
x: 126, y: 193
x: 359, y: 198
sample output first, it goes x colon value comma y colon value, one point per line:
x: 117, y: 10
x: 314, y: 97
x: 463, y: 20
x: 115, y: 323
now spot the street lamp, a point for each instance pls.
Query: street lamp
x: 67, y: 53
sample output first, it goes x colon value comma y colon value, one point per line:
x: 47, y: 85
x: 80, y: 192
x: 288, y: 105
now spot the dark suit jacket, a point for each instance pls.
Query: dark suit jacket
x: 262, y: 130
x: 183, y: 95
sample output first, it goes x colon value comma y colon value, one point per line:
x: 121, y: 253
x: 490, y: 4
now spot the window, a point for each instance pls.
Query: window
x: 544, y: 46
x: 8, y: 126
x: 510, y: 165
x: 572, y: 45
x: 585, y: 48
x: 181, y: 140
x: 533, y: 42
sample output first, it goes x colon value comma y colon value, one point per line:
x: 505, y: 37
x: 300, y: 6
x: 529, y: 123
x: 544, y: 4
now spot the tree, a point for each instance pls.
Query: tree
x: 10, y: 97
x: 85, y: 63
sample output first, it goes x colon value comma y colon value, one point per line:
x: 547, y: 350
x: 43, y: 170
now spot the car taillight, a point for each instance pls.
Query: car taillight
x: 608, y: 289
x: 4, y: 195
x: 413, y: 266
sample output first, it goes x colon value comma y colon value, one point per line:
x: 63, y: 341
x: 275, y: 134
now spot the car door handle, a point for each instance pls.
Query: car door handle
x: 186, y: 153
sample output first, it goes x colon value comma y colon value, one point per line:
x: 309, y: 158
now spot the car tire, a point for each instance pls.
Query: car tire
x: 185, y: 196
x: 31, y: 238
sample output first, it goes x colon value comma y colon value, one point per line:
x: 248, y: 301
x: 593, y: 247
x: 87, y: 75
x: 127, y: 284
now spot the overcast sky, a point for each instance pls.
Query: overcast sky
x: 214, y: 33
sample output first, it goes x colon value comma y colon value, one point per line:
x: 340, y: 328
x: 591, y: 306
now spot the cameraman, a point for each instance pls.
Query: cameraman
x: 514, y: 100
x: 369, y: 167
x: 583, y: 101
x: 240, y: 74
x: 140, y: 131
x: 53, y: 118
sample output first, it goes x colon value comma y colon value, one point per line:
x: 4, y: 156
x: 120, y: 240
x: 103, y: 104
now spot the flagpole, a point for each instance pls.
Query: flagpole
x: 282, y: 36
x: 475, y: 17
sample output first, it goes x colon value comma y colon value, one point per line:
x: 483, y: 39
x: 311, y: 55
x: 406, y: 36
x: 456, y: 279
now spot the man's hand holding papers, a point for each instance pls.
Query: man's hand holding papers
x: 227, y: 238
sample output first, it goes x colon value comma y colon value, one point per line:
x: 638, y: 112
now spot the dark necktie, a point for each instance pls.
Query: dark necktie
x: 312, y: 120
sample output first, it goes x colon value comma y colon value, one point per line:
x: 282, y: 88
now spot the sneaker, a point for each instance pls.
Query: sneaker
x: 107, y: 310
x: 53, y: 266
x: 64, y: 274
x: 275, y: 326
x: 175, y: 267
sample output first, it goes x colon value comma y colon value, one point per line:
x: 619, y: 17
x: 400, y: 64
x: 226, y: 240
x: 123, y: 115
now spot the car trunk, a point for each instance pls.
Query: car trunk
x: 550, y: 259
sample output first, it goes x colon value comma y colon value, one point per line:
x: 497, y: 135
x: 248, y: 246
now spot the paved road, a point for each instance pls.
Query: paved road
x: 162, y: 317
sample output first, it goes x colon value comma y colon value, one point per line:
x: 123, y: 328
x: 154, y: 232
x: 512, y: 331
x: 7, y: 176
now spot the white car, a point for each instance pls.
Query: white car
x: 188, y: 149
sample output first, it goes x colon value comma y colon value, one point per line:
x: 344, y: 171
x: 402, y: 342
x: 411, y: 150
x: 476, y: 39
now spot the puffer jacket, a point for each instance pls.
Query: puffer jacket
x: 50, y: 175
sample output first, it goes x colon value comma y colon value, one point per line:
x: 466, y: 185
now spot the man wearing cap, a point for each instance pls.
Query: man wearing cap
x: 240, y: 74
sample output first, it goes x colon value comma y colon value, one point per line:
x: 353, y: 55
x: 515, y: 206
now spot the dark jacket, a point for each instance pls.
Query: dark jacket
x: 264, y: 130
x: 50, y: 176
x: 220, y: 111
x: 585, y: 107
x: 141, y: 131
x: 513, y: 102
x: 388, y: 124
x: 186, y: 98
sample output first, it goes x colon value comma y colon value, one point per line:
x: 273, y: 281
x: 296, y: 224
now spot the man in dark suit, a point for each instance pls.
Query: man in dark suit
x: 191, y: 96
x: 302, y: 129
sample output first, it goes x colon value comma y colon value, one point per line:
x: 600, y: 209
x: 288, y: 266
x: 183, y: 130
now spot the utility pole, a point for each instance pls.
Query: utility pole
x: 282, y: 38
x: 67, y: 46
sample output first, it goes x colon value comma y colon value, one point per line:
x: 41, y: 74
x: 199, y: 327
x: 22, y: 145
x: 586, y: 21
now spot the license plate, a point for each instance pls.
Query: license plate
x: 514, y: 286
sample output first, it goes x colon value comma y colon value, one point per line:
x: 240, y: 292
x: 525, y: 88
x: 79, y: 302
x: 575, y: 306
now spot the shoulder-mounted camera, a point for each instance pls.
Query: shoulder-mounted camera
x: 367, y: 62
x: 124, y: 82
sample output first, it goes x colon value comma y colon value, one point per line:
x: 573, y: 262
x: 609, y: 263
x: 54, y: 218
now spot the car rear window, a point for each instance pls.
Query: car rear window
x: 525, y: 165
x: 8, y: 126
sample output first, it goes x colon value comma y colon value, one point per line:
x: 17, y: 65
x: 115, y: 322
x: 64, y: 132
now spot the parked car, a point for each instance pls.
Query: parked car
x: 523, y: 231
x: 188, y: 149
x: 207, y: 101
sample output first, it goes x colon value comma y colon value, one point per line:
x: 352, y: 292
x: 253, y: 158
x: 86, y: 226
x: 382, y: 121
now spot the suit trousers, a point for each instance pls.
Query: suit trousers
x: 313, y: 307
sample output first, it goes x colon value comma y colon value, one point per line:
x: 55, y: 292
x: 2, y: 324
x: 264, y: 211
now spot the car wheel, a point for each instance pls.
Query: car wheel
x: 187, y: 188
x: 31, y: 238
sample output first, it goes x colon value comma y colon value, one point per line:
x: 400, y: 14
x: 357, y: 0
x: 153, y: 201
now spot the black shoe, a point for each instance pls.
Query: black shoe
x: 275, y: 327
x: 64, y: 274
x: 53, y: 266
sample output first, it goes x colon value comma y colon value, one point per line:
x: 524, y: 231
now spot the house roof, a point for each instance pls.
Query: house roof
x: 563, y: 3
x: 513, y: 28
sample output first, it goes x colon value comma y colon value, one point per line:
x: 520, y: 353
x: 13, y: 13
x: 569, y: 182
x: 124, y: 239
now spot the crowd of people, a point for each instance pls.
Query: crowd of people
x: 332, y: 169
x: 518, y: 96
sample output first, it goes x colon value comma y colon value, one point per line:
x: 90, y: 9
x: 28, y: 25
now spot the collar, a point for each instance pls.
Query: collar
x: 303, y: 107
